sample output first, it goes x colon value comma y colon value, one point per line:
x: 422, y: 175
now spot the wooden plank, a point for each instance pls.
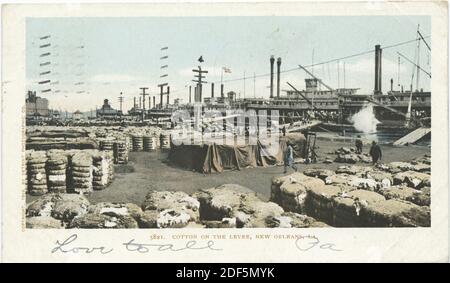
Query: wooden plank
x: 413, y: 136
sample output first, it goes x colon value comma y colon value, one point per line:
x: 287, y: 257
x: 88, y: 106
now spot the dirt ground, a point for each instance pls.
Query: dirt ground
x: 149, y: 171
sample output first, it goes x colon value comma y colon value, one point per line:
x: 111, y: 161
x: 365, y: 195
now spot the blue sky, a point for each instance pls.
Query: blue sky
x: 97, y: 58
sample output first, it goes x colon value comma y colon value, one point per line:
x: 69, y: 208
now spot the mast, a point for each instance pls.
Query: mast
x: 418, y: 58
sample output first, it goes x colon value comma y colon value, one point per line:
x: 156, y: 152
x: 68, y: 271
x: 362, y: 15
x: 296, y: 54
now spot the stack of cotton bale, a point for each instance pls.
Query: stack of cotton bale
x: 107, y: 144
x: 137, y: 142
x: 100, y: 171
x: 36, y: 173
x: 149, y: 143
x: 120, y: 152
x: 165, y: 140
x: 82, y: 172
x: 56, y: 173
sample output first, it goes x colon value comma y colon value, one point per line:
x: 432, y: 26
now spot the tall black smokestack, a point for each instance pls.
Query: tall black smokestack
x: 272, y: 61
x: 221, y: 91
x: 134, y: 104
x: 377, y: 89
x: 168, y: 93
x: 278, y: 76
x: 154, y: 100
x: 212, y: 89
x: 392, y: 84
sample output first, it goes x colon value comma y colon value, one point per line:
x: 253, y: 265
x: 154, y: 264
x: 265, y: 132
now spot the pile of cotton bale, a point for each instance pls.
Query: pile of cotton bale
x: 232, y: 205
x: 36, y: 173
x: 150, y: 143
x: 55, y: 210
x: 82, y: 173
x: 348, y: 155
x: 72, y: 171
x: 165, y: 140
x: 74, y: 211
x: 120, y: 150
x: 106, y: 215
x: 56, y: 167
x: 166, y: 209
x: 137, y: 141
x: 388, y: 195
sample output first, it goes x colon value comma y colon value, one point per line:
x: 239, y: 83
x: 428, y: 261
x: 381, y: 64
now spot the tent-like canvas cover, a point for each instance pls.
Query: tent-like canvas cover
x: 212, y: 157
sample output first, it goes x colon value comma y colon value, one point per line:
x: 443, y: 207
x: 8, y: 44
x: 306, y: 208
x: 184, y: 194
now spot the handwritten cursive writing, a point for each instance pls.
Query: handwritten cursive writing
x: 67, y: 247
x: 132, y: 246
x: 309, y: 242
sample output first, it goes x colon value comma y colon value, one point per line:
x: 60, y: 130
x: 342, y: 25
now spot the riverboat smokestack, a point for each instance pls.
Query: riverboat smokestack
x: 377, y: 89
x: 278, y: 76
x: 272, y: 61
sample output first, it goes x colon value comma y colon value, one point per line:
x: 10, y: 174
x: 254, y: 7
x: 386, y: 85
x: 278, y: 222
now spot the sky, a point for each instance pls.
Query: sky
x: 92, y: 59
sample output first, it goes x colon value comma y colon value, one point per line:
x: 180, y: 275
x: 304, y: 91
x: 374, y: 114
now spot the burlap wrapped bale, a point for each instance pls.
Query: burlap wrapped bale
x: 37, y: 176
x: 109, y: 215
x: 348, y: 206
x: 347, y: 158
x: 398, y: 192
x: 137, y: 142
x: 412, y: 179
x: 290, y: 191
x: 56, y: 173
x: 165, y: 141
x: 319, y: 202
x: 179, y: 202
x: 82, y: 172
x: 293, y: 220
x: 396, y: 213
x: 100, y: 171
x: 43, y: 222
x: 120, y: 152
x: 235, y: 201
x: 107, y: 144
x: 318, y: 173
x: 399, y: 166
x: 421, y: 197
x: 149, y: 143
x: 224, y: 223
x: 63, y: 207
x: 353, y: 170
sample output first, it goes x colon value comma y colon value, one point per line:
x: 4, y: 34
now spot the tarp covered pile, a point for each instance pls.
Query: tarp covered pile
x: 213, y: 157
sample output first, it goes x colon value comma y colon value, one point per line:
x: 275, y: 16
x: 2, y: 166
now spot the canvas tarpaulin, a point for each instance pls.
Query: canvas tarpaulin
x: 214, y: 157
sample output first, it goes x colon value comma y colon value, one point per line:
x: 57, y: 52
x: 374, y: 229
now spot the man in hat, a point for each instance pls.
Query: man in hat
x: 289, y: 157
x: 359, y: 145
x: 375, y: 152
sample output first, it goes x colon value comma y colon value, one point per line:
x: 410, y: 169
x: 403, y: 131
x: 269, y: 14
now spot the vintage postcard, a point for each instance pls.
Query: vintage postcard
x: 212, y: 132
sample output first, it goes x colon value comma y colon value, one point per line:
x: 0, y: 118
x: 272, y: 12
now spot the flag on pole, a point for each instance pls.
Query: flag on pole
x: 226, y: 70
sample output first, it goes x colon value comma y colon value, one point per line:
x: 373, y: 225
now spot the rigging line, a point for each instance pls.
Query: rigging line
x: 331, y: 60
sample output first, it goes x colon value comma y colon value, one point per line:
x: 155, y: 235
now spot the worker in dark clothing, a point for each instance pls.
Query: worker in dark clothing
x: 375, y: 152
x: 289, y: 158
x: 283, y: 130
x: 359, y: 145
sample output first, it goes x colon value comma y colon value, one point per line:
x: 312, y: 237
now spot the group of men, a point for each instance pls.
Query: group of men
x: 375, y: 153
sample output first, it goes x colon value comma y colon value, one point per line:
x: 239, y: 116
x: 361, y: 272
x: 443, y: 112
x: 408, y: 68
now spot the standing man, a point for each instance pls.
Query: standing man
x: 283, y: 130
x: 359, y: 145
x: 289, y: 157
x: 375, y: 152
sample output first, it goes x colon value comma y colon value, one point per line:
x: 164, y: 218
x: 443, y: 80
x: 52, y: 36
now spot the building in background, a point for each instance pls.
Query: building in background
x: 107, y: 112
x: 35, y: 105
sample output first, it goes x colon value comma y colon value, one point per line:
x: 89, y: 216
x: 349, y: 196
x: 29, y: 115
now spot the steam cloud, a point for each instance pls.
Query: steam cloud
x: 365, y: 120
